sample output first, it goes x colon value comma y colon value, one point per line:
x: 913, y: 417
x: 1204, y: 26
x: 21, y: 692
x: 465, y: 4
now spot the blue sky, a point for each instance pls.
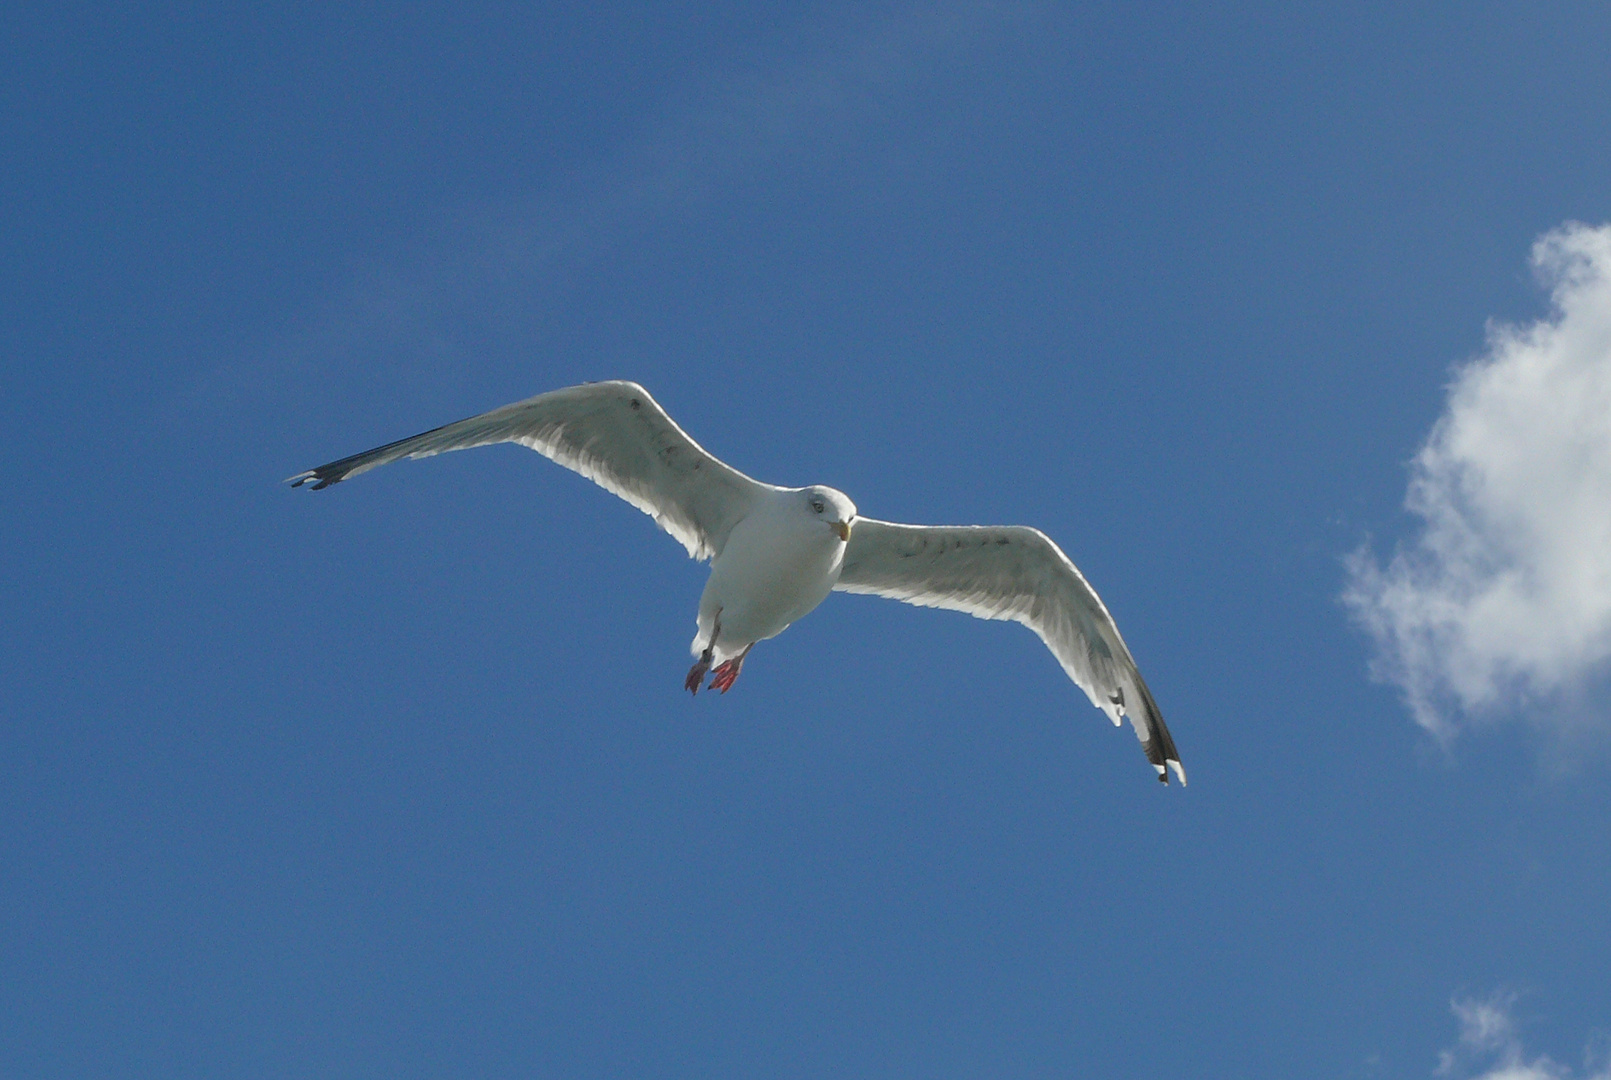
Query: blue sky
x: 1277, y: 321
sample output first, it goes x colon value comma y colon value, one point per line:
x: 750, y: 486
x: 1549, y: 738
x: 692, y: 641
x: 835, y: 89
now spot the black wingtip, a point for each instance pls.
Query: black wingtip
x: 1159, y: 745
x: 320, y: 478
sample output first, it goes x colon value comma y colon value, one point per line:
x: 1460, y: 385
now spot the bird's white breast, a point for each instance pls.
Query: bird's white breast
x: 779, y: 563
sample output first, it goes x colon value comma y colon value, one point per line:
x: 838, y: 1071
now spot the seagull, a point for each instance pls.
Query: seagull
x: 777, y: 552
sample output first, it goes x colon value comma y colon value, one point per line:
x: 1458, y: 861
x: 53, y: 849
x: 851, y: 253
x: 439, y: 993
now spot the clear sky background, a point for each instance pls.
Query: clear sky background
x: 1275, y: 320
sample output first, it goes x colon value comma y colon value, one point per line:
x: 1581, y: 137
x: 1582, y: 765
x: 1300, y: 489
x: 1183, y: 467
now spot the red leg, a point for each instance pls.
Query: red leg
x: 696, y: 674
x: 727, y: 672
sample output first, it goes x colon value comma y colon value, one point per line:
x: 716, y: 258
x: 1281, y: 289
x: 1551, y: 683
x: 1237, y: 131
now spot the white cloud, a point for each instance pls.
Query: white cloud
x: 1489, y: 1043
x: 1504, y: 599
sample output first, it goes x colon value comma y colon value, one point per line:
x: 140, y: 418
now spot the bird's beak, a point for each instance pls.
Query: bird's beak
x: 842, y: 528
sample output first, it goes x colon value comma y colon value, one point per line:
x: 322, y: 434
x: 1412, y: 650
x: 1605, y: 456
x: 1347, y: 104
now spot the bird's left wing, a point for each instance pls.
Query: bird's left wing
x: 1017, y: 573
x: 614, y: 434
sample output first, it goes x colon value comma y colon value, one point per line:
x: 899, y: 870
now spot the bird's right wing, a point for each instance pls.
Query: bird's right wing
x: 614, y: 434
x: 1017, y: 573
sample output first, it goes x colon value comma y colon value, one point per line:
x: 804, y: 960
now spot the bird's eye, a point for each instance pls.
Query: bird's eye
x: 816, y: 504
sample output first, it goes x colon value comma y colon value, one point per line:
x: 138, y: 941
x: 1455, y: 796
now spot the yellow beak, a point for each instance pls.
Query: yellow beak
x: 842, y: 528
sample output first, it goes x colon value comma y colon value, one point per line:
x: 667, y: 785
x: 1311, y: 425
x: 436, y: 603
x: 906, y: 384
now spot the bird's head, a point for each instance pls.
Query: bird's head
x: 831, y: 507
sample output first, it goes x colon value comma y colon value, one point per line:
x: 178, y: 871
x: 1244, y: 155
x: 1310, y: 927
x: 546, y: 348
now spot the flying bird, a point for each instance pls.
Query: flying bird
x: 777, y: 552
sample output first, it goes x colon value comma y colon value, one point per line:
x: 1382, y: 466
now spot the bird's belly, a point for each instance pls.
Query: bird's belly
x: 761, y: 587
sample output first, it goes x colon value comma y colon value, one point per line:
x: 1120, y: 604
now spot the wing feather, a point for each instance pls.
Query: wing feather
x: 1016, y: 573
x: 614, y: 434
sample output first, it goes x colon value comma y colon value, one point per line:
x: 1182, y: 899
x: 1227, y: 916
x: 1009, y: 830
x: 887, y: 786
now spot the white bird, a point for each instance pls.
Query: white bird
x: 776, y: 552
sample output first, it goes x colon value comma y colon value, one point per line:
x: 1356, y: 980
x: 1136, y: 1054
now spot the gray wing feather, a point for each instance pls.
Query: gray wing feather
x: 1017, y: 573
x: 614, y: 434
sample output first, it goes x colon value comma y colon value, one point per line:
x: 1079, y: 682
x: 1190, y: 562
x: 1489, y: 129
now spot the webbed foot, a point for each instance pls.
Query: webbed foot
x: 696, y: 676
x: 727, y: 671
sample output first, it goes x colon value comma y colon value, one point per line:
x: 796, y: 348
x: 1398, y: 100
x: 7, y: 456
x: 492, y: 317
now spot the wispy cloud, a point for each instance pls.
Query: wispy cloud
x: 1490, y: 1048
x: 719, y: 132
x: 500, y: 267
x: 1502, y: 603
